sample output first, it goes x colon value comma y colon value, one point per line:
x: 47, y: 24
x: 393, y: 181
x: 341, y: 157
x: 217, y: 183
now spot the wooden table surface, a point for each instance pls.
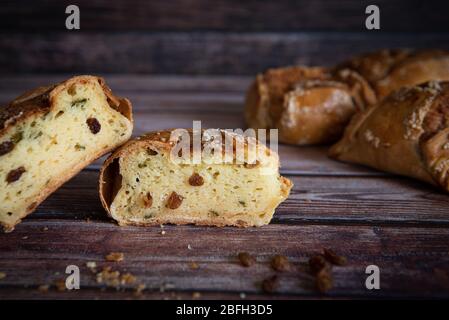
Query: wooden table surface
x: 396, y: 223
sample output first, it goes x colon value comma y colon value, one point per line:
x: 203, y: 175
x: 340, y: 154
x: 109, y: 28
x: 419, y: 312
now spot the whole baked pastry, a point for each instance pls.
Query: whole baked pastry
x: 407, y: 133
x: 155, y: 179
x: 49, y: 134
x: 389, y: 70
x: 307, y: 105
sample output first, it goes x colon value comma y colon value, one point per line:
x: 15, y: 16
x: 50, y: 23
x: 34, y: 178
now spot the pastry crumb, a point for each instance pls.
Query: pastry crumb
x: 115, y: 257
x: 92, y: 266
x: 139, y: 289
x: 127, y: 278
x: 60, y: 285
x: 109, y: 277
x: 43, y: 288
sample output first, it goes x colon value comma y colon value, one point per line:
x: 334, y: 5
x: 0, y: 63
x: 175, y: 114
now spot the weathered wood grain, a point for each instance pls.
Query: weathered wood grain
x: 413, y: 261
x: 224, y: 15
x: 191, y: 52
x: 313, y: 199
x: 12, y: 85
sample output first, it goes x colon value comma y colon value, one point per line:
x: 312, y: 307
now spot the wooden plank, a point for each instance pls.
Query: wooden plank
x: 137, y: 84
x: 319, y: 199
x: 32, y: 293
x: 191, y: 53
x: 413, y: 261
x: 224, y: 15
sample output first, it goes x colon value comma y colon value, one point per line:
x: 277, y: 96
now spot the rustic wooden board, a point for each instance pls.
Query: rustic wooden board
x: 413, y: 261
x: 229, y: 53
x: 224, y: 15
x: 399, y: 224
x: 314, y: 199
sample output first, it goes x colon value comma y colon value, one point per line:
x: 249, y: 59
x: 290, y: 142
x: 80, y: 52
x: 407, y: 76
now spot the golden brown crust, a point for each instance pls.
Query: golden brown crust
x: 307, y: 105
x: 109, y: 181
x: 419, y: 67
x: 265, y: 96
x: 407, y: 133
x: 375, y: 66
x: 40, y: 101
x: 389, y: 70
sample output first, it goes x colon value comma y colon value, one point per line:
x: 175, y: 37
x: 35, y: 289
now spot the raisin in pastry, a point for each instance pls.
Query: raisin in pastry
x: 407, y: 133
x: 49, y: 134
x: 153, y: 180
x: 308, y: 105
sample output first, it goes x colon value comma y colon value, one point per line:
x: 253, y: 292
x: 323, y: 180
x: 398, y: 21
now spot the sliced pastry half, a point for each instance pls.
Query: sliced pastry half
x: 49, y: 134
x: 161, y: 178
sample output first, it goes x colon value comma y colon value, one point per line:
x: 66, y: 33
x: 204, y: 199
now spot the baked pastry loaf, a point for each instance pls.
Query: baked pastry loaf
x: 51, y: 133
x: 389, y: 70
x: 142, y: 183
x: 307, y: 105
x: 407, y: 133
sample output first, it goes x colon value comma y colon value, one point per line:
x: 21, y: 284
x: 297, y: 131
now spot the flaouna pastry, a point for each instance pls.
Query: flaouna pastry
x: 307, y: 105
x: 389, y: 70
x: 49, y: 134
x: 150, y: 180
x: 407, y: 133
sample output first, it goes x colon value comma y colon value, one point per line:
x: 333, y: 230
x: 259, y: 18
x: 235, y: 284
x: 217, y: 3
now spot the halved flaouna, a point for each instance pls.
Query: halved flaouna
x: 142, y: 184
x: 50, y: 134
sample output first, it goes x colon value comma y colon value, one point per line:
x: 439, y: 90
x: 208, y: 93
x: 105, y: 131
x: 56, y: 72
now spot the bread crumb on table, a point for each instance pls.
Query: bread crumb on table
x: 60, y: 285
x: 43, y: 288
x: 115, y: 257
x: 139, y: 289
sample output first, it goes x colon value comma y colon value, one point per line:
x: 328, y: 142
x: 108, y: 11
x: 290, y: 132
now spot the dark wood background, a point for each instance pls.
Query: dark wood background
x: 194, y: 61
x: 207, y: 36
